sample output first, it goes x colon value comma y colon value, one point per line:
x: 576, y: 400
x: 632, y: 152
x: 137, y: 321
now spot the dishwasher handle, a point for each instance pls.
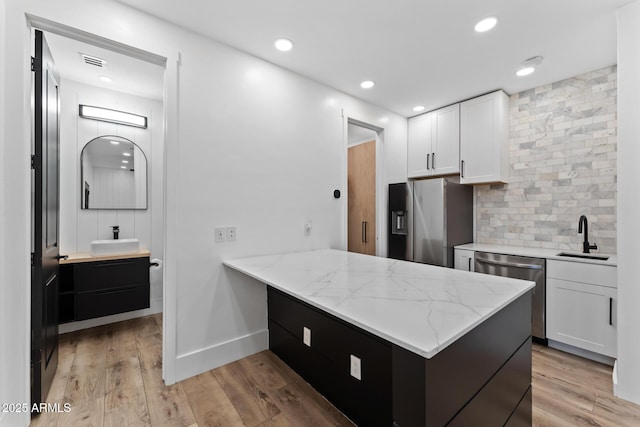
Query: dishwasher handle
x: 509, y: 264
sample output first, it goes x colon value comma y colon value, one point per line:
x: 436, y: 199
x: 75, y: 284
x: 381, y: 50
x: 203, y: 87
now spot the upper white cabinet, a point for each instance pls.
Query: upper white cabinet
x: 434, y: 143
x: 484, y: 139
x: 581, y: 305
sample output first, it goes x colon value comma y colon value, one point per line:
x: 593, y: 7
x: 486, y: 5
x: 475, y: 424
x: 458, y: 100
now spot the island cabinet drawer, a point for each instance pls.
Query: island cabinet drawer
x: 102, y: 275
x: 334, y: 339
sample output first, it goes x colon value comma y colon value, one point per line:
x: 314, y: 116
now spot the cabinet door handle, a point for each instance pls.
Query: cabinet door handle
x: 610, y: 311
x: 469, y: 263
x: 428, y: 161
x: 462, y: 168
x: 364, y: 231
x: 433, y: 160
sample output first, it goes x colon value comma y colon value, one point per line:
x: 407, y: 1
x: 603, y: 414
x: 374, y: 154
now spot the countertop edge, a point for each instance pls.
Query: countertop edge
x: 86, y: 257
x: 549, y: 254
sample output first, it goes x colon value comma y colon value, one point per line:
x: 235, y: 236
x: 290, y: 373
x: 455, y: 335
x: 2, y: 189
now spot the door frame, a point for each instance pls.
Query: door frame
x: 381, y: 196
x: 170, y: 60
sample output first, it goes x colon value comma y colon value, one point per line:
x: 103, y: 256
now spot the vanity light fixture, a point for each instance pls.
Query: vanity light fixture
x: 418, y: 108
x: 283, y: 44
x: 112, y: 116
x: 367, y: 84
x: 486, y: 24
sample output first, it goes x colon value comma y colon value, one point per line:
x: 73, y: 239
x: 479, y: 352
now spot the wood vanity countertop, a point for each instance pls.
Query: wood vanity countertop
x: 86, y: 257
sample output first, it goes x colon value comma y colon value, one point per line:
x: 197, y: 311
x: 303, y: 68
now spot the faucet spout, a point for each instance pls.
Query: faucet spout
x: 586, y: 246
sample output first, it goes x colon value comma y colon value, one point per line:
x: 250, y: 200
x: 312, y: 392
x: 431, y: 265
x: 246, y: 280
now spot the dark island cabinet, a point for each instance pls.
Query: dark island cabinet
x: 482, y: 379
x: 101, y: 288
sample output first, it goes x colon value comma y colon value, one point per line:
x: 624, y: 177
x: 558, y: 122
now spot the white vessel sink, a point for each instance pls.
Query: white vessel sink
x: 114, y: 247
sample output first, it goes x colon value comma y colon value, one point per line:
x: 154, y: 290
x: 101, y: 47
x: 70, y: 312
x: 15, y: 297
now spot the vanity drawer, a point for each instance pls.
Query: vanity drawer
x: 103, y: 275
x: 334, y: 339
x: 111, y: 301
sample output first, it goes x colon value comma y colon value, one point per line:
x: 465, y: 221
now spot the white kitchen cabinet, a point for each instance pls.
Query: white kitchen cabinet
x: 434, y: 143
x: 581, y: 305
x: 464, y: 259
x: 484, y: 139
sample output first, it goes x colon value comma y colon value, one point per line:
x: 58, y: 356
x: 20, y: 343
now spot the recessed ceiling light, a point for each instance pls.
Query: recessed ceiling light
x: 367, y: 84
x: 283, y: 45
x: 125, y: 161
x: 106, y: 79
x: 126, y: 154
x: 486, y: 24
x: 525, y: 71
x: 123, y: 167
x: 418, y: 108
x: 115, y: 142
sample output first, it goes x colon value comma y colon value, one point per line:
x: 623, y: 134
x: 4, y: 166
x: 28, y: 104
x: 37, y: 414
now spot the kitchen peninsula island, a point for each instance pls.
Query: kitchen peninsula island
x: 398, y: 343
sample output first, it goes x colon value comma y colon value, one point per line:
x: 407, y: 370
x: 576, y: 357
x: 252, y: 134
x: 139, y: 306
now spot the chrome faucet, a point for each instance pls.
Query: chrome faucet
x: 586, y: 246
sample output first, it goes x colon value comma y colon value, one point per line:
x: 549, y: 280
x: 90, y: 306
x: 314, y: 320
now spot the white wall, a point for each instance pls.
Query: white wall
x: 249, y: 144
x: 628, y: 202
x: 78, y: 227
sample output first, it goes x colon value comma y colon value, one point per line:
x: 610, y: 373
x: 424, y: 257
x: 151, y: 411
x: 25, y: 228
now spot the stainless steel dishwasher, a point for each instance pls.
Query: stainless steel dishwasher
x: 525, y: 268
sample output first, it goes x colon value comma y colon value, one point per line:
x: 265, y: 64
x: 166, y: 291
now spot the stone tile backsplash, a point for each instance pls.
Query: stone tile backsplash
x: 563, y: 165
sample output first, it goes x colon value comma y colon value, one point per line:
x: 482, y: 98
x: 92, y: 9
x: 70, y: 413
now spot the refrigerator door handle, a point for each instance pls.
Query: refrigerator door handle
x: 428, y: 161
x: 462, y: 168
x: 433, y: 160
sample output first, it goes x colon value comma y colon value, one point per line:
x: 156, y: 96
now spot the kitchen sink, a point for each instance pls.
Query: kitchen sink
x: 584, y: 256
x: 114, y: 247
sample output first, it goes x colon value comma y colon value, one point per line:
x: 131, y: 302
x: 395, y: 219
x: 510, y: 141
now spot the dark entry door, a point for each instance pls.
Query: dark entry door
x: 44, y: 271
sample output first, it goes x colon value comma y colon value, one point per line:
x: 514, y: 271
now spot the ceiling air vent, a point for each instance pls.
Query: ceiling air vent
x: 93, y: 60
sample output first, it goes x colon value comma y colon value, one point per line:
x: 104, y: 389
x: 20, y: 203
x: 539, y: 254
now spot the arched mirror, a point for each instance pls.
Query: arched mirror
x: 113, y: 174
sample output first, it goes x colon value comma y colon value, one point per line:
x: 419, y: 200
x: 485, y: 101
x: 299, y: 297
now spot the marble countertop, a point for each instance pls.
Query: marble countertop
x: 419, y: 307
x: 538, y: 253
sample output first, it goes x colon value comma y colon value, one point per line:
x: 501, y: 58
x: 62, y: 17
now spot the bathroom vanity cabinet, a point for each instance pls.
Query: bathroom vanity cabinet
x: 99, y: 286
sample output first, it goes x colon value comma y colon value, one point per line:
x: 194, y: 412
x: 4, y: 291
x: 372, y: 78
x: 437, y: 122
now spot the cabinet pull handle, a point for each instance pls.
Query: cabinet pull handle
x: 462, y: 168
x: 433, y: 160
x: 610, y: 311
x: 364, y: 231
x: 469, y: 263
x: 117, y: 291
x: 428, y: 161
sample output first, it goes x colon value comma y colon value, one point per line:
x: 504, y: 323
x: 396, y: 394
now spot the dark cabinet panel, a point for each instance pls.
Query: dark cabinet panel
x: 94, y: 276
x: 523, y: 414
x: 101, y: 288
x: 103, y: 303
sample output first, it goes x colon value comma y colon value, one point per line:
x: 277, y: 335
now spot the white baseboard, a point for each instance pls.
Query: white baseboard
x: 197, y: 362
x: 601, y: 358
x: 155, y: 306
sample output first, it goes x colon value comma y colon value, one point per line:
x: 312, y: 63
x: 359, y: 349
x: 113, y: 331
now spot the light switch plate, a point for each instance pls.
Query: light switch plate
x: 306, y: 336
x: 220, y: 233
x: 356, y: 367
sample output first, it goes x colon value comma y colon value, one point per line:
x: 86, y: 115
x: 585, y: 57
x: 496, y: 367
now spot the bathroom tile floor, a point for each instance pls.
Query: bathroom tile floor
x: 112, y: 376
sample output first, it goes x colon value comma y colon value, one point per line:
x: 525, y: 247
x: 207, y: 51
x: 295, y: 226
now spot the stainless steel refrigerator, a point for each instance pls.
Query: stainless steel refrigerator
x: 427, y: 218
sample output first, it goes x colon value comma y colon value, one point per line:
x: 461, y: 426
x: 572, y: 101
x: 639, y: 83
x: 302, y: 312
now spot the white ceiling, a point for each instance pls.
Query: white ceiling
x: 417, y: 51
x: 128, y: 74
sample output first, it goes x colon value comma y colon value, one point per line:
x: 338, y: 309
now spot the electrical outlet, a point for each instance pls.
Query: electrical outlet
x: 220, y: 234
x: 356, y: 367
x: 306, y: 336
x: 231, y: 234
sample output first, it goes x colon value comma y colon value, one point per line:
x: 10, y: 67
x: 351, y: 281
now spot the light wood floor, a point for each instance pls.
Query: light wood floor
x: 111, y: 376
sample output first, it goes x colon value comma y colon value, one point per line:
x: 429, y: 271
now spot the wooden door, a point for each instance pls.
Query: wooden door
x: 362, y: 198
x: 45, y: 256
